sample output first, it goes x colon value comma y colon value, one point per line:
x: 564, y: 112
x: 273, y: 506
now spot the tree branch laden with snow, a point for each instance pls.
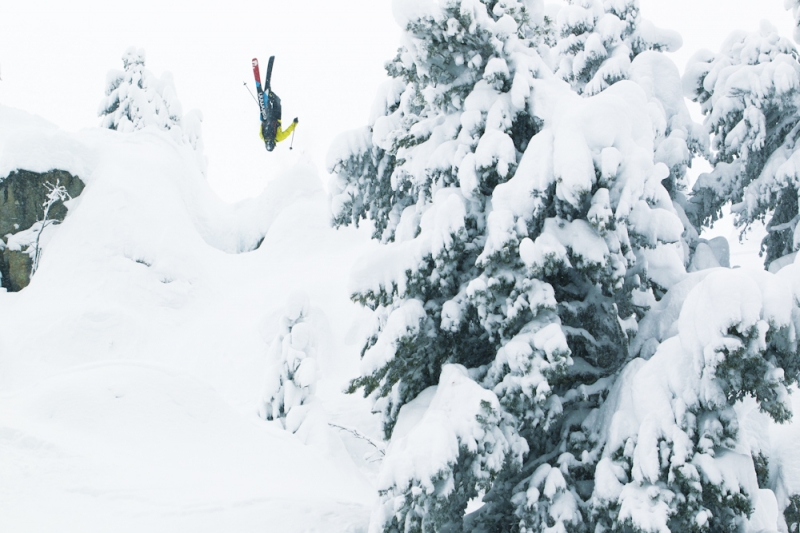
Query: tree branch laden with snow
x: 750, y: 94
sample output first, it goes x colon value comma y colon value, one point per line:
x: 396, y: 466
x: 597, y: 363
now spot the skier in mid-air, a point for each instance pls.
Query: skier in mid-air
x: 271, y: 131
x: 270, y: 107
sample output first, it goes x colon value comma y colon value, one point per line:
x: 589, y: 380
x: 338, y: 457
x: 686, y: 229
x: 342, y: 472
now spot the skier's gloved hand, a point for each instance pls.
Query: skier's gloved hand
x: 295, y: 120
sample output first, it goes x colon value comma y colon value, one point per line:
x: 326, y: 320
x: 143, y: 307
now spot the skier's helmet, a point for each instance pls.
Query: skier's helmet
x: 270, y: 144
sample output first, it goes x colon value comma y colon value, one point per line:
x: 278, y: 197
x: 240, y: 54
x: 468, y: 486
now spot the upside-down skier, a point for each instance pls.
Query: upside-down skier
x: 270, y: 107
x: 271, y: 131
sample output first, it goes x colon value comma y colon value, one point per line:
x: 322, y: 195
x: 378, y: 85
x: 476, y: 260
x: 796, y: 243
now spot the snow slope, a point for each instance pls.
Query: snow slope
x: 131, y: 366
x: 136, y: 447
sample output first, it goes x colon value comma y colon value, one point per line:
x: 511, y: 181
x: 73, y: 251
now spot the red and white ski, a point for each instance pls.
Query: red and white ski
x: 263, y: 96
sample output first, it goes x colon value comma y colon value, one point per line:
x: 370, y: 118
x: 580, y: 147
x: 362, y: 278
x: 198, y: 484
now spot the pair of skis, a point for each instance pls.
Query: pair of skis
x: 264, y: 92
x: 263, y: 97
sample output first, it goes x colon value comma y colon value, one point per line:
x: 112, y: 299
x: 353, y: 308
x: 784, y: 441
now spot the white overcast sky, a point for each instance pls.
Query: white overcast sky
x: 54, y: 56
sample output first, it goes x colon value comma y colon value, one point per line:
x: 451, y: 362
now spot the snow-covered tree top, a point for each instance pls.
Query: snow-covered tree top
x: 135, y: 99
x: 133, y: 57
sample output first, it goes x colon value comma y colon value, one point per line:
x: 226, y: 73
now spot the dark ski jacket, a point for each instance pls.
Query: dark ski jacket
x: 271, y: 130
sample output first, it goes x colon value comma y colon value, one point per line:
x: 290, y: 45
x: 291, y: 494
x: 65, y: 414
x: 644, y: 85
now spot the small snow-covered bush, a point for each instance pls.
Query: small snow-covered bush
x: 136, y: 98
x: 292, y: 369
x: 792, y: 514
x: 30, y: 241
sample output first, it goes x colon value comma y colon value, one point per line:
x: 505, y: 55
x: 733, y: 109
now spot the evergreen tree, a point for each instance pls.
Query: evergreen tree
x: 602, y: 234
x: 450, y: 127
x: 750, y: 94
x: 526, y: 232
x: 529, y: 230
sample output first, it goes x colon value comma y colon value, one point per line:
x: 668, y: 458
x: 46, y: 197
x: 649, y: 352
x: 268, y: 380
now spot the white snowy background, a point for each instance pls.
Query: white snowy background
x: 131, y: 369
x: 54, y: 57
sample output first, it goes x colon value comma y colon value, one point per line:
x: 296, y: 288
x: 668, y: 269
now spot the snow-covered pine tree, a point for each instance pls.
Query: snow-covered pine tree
x: 602, y: 234
x: 292, y: 370
x: 750, y: 94
x: 448, y: 127
x: 526, y: 231
x: 599, y: 39
x: 136, y: 98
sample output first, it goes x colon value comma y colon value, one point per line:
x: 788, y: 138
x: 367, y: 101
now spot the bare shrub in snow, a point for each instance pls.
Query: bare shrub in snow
x: 55, y: 193
x: 30, y: 240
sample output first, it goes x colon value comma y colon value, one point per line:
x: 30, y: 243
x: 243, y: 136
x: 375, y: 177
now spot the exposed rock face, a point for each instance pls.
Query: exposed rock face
x: 16, y: 269
x: 22, y: 195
